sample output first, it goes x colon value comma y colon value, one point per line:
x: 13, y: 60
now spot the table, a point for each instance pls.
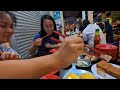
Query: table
x: 64, y: 71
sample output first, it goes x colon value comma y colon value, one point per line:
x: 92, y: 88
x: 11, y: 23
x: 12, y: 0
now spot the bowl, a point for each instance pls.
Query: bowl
x: 83, y: 63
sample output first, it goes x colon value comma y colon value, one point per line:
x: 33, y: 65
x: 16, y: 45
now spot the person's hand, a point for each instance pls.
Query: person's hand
x: 9, y: 56
x: 37, y: 42
x: 52, y: 46
x: 69, y: 51
x: 48, y: 45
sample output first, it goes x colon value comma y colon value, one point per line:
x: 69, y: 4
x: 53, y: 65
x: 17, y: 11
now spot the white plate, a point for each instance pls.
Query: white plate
x: 78, y: 72
x: 107, y: 76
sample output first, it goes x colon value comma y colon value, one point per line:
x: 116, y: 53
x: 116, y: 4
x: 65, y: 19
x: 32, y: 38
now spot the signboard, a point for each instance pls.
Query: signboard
x: 56, y: 15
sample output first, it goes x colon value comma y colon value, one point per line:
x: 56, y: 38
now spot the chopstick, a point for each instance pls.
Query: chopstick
x: 92, y: 54
x: 94, y: 50
x: 102, y: 55
x: 45, y: 36
x: 42, y: 37
x: 59, y: 34
x: 56, y: 40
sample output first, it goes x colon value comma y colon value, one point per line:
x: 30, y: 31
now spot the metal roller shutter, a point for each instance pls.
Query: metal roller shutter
x: 28, y: 23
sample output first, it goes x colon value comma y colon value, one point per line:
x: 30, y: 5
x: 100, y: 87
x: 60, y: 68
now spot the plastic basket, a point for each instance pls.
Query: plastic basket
x: 108, y: 49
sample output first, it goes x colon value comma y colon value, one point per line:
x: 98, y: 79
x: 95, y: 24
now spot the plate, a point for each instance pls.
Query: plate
x: 78, y: 72
x: 53, y: 50
x: 107, y: 76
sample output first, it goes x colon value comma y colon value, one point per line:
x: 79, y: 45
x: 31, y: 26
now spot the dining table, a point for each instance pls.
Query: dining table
x: 62, y: 72
x: 72, y: 67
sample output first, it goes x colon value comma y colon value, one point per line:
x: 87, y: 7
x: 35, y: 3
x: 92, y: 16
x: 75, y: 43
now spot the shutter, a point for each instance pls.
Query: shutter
x: 28, y: 23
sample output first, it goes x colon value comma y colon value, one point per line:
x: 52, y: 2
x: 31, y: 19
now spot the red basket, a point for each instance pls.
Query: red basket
x: 50, y: 76
x: 108, y: 49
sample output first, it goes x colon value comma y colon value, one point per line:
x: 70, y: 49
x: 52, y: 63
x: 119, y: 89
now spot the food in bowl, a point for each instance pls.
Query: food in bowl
x: 87, y: 76
x: 88, y: 57
x: 83, y: 63
x: 72, y: 76
x: 79, y: 63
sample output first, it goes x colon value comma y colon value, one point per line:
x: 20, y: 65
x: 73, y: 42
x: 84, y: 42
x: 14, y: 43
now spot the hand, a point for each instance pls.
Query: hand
x: 48, y: 45
x: 69, y: 51
x: 8, y: 56
x: 37, y: 42
x: 52, y: 46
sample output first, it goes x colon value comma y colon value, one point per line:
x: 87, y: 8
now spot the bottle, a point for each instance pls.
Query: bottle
x: 96, y: 38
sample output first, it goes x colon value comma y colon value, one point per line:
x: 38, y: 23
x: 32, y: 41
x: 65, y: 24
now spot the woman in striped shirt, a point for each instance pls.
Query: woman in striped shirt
x: 7, y: 23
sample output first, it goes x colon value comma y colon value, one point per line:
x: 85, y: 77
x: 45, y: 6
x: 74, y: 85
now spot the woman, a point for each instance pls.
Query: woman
x: 42, y: 46
x: 40, y: 66
x: 7, y: 22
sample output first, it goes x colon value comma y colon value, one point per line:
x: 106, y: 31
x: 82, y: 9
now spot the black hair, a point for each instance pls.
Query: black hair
x: 86, y: 22
x: 108, y: 14
x: 10, y: 14
x: 43, y: 33
x: 14, y: 19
